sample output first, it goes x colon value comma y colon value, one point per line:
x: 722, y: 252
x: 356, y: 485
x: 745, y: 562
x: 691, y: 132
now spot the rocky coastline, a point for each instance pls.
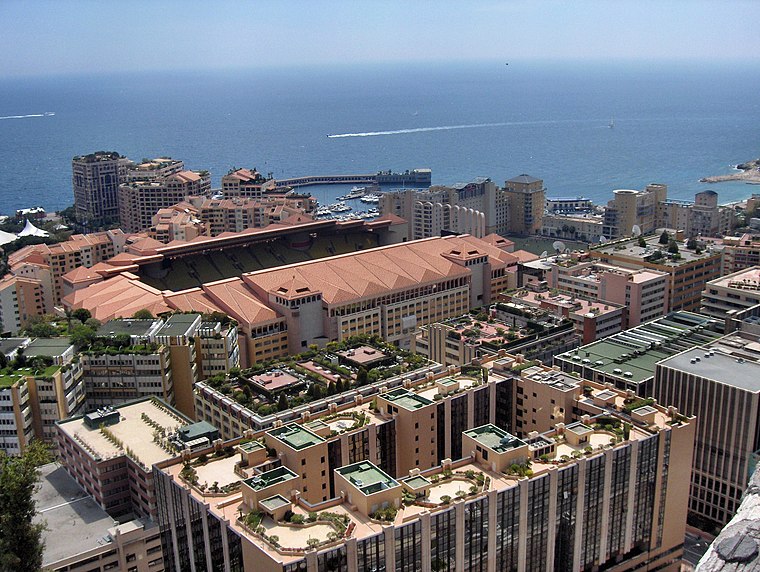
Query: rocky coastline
x: 749, y: 172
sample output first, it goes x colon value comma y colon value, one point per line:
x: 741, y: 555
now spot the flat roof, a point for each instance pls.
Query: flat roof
x: 720, y: 367
x: 638, y: 349
x: 296, y: 436
x: 367, y: 477
x: 8, y: 345
x: 579, y: 428
x: 132, y: 430
x: 275, y: 502
x: 51, y: 347
x: 178, y: 324
x: 364, y: 355
x: 406, y: 399
x: 630, y: 249
x: 494, y: 438
x: 269, y: 478
x: 75, y: 522
x: 130, y: 327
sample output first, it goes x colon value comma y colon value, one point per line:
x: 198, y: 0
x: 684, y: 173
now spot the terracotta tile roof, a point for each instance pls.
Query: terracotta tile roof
x: 192, y: 300
x: 82, y: 274
x: 499, y: 241
x: 394, y: 219
x: 237, y: 300
x: 146, y: 245
x: 525, y: 256
x: 374, y: 272
x: 120, y: 296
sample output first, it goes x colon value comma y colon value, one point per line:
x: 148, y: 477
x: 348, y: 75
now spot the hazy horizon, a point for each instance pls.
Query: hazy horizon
x: 46, y: 38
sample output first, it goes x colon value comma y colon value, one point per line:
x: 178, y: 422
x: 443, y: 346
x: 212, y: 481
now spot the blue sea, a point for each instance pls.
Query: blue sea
x: 672, y: 124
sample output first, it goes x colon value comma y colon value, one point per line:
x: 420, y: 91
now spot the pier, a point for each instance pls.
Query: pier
x: 415, y: 177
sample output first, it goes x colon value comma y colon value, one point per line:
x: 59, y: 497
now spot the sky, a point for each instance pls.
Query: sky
x: 42, y: 38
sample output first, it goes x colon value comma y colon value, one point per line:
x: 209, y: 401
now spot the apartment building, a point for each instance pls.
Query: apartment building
x: 627, y: 360
x: 591, y: 319
x: 246, y: 183
x: 96, y: 178
x: 569, y: 205
x: 729, y: 295
x: 526, y: 199
x: 44, y: 385
x: 600, y: 487
x: 178, y: 222
x: 140, y: 200
x: 702, y: 217
x: 630, y: 208
x: 719, y: 383
x: 110, y: 451
x: 688, y: 270
x: 217, y: 348
x: 80, y: 535
x: 643, y: 292
x: 586, y: 227
x: 48, y: 263
x: 153, y: 169
x: 534, y: 333
x: 20, y: 299
x: 478, y: 208
x: 121, y: 372
x: 239, y: 213
x: 739, y: 252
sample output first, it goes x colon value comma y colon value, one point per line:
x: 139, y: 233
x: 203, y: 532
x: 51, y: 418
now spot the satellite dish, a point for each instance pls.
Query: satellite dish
x: 636, y: 230
x: 558, y: 245
x: 544, y: 254
x: 603, y: 239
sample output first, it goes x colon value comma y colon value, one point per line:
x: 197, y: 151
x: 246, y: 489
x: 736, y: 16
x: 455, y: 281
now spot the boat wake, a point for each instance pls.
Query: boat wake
x: 46, y: 114
x: 443, y: 128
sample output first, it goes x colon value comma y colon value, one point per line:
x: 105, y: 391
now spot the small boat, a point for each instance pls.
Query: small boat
x: 612, y: 123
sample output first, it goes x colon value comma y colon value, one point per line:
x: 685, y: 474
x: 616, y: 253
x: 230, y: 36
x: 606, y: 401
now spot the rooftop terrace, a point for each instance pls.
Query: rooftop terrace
x: 494, y: 438
x: 296, y: 436
x: 366, y: 477
x: 406, y: 399
x: 630, y: 249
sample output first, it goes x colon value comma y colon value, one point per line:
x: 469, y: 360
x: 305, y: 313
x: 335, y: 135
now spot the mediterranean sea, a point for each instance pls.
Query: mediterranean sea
x: 673, y: 124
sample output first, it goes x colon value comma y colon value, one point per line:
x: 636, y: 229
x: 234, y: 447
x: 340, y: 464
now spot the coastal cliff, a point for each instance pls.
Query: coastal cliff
x: 750, y: 173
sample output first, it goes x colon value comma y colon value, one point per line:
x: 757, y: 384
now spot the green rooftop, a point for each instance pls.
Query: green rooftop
x: 51, y: 347
x: 494, y: 438
x: 296, y: 436
x: 632, y: 354
x: 270, y: 478
x: 367, y: 477
x: 178, y: 324
x: 129, y: 327
x: 8, y: 380
x: 406, y: 399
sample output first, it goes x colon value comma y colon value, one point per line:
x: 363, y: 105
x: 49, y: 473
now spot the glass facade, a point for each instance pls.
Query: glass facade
x: 564, y: 539
x: 458, y: 425
x: 386, y: 447
x: 618, y: 500
x: 476, y: 536
x: 593, y: 501
x: 538, y: 524
x: 371, y: 554
x: 503, y: 417
x: 507, y: 529
x: 408, y: 547
x: 333, y: 561
x: 482, y: 406
x: 443, y: 540
x: 646, y: 483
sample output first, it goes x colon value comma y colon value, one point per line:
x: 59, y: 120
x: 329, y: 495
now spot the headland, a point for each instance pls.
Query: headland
x: 749, y: 172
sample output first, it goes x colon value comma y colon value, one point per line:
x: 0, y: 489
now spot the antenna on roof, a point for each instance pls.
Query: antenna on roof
x: 544, y: 254
x: 603, y: 239
x: 636, y: 230
x: 559, y: 246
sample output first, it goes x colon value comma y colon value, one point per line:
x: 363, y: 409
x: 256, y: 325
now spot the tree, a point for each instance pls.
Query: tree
x: 664, y: 237
x: 282, y: 402
x: 3, y: 360
x: 82, y: 336
x: 40, y: 327
x: 142, y: 315
x: 642, y: 242
x: 81, y: 314
x: 673, y: 247
x: 21, y: 544
x: 361, y: 376
x: 691, y: 244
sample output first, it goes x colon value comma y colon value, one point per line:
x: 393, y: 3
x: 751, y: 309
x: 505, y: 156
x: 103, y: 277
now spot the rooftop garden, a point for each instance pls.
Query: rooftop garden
x: 319, y: 373
x: 296, y: 533
x: 12, y: 371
